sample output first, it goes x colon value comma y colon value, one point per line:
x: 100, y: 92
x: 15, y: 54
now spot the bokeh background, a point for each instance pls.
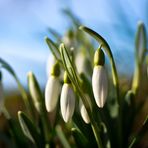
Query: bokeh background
x: 25, y: 23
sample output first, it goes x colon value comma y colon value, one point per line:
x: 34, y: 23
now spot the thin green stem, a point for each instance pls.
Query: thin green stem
x: 107, y: 49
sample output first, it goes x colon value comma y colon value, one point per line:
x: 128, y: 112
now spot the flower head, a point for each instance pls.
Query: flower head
x: 67, y: 100
x: 52, y: 89
x: 99, y: 79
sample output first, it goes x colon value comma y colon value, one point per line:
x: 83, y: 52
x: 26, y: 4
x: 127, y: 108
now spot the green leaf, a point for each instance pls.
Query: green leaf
x: 141, y: 42
x: 29, y: 129
x: 55, y: 34
x: 72, y: 17
x: 27, y: 102
x: 53, y: 48
x: 39, y: 103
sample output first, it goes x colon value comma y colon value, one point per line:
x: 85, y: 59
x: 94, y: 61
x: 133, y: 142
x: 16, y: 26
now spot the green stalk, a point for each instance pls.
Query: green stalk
x: 107, y: 49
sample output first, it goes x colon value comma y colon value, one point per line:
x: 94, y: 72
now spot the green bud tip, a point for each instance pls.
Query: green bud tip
x: 99, y: 57
x: 55, y: 71
x: 66, y: 78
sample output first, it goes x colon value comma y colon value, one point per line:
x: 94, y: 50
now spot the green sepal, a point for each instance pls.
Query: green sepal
x: 99, y: 58
x: 55, y: 70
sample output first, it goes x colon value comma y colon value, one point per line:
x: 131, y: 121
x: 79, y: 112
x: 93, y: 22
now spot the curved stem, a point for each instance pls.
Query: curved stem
x: 107, y: 49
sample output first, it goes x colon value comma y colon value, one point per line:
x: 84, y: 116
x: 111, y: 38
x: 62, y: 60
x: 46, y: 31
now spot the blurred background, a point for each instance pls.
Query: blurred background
x: 25, y: 23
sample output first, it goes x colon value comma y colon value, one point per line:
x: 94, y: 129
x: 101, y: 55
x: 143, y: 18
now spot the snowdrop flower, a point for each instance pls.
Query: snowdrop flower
x: 99, y: 79
x: 52, y: 89
x: 83, y: 112
x: 67, y: 100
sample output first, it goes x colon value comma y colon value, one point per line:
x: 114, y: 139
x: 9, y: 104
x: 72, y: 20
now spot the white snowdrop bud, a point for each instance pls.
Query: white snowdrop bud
x: 52, y: 89
x: 99, y: 79
x: 67, y: 100
x: 100, y: 85
x: 83, y: 112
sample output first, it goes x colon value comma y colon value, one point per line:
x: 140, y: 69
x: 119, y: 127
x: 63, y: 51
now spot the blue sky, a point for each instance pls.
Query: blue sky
x: 24, y: 23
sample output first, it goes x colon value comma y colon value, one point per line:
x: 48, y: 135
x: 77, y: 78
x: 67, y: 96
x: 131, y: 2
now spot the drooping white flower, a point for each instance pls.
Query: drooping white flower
x: 100, y: 85
x: 52, y: 92
x: 53, y: 88
x: 83, y: 112
x: 67, y: 102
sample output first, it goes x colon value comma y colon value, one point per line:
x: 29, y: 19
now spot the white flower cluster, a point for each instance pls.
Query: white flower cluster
x: 67, y: 98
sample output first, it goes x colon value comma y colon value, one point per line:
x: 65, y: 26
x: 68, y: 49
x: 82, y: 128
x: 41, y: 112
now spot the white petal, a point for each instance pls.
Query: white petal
x: 67, y: 102
x: 52, y: 91
x: 80, y: 62
x: 83, y: 112
x: 100, y: 85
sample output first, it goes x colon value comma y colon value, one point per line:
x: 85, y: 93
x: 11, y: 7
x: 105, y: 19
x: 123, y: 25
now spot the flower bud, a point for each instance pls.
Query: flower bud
x: 67, y: 101
x: 35, y: 91
x: 52, y: 89
x: 99, y: 79
x: 83, y: 112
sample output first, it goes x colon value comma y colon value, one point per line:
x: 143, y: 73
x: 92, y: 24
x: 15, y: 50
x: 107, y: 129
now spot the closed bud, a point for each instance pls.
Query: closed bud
x: 35, y: 91
x: 83, y: 112
x: 100, y: 85
x: 67, y: 102
x: 52, y: 92
x: 99, y: 58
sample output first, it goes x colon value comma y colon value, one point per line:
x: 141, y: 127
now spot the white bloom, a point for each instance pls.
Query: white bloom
x: 83, y: 112
x: 52, y: 92
x: 100, y: 85
x: 67, y: 102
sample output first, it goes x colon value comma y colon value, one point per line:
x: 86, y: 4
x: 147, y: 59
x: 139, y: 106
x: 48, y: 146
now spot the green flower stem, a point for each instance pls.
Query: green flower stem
x: 106, y: 47
x: 75, y: 80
